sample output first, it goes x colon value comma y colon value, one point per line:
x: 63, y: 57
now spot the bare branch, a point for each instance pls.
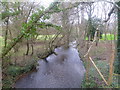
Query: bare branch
x: 109, y: 14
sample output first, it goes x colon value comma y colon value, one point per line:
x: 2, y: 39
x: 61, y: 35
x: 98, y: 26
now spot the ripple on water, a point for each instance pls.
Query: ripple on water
x: 68, y: 73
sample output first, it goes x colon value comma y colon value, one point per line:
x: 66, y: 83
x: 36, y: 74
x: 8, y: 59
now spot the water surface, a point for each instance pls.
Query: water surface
x: 65, y: 70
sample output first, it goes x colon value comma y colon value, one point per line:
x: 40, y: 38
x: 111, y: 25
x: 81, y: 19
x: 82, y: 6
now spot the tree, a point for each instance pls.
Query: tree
x: 117, y: 59
x: 27, y: 29
x: 30, y: 26
x: 91, y: 29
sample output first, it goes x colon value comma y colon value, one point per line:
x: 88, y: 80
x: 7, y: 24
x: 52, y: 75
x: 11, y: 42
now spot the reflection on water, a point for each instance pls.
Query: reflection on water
x: 65, y: 70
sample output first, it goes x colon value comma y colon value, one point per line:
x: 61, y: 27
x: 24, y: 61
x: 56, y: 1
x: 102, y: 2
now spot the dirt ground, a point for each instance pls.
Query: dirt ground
x: 102, y: 51
x: 21, y: 59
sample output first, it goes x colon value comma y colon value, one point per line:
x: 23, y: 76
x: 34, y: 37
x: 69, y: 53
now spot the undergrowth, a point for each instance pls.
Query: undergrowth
x: 95, y: 81
x: 12, y: 72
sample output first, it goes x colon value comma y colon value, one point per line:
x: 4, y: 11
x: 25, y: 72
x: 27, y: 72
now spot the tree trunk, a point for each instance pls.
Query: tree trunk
x: 21, y: 35
x: 27, y: 47
x: 117, y: 59
x: 32, y: 49
x: 6, y: 32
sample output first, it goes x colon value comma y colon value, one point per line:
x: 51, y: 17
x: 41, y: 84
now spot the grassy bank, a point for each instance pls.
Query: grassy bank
x: 16, y: 65
x: 95, y: 81
x: 101, y: 55
x: 13, y: 72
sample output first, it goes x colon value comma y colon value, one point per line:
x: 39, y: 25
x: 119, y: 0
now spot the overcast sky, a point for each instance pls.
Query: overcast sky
x: 101, y: 8
x: 45, y: 3
x: 98, y: 11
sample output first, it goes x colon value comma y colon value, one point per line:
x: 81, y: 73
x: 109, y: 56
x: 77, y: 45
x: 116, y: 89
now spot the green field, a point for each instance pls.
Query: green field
x: 48, y: 37
x: 40, y: 37
x: 108, y: 37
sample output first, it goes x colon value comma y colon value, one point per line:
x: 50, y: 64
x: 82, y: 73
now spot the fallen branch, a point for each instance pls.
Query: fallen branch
x: 45, y: 54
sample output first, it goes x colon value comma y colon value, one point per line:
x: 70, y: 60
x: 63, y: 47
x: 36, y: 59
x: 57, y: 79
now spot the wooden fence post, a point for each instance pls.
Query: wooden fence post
x: 87, y: 67
x: 87, y: 63
x: 111, y: 69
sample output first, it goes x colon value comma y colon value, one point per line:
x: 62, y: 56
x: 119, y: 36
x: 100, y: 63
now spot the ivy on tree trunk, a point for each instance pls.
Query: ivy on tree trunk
x: 117, y: 59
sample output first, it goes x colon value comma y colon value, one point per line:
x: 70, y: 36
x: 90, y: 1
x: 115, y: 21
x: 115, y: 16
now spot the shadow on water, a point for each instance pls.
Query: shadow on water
x: 65, y: 70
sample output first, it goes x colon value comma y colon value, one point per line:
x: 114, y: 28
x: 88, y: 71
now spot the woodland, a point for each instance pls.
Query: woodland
x: 30, y: 32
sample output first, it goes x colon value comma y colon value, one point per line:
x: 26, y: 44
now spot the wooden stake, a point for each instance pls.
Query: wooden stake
x: 87, y: 63
x: 98, y: 71
x: 87, y: 68
x: 111, y: 69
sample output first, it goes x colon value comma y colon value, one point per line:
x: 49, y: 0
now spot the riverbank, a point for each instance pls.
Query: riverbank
x: 14, y: 73
x: 18, y: 64
x: 100, y: 54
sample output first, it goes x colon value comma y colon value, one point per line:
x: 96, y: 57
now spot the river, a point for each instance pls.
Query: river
x: 66, y: 70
